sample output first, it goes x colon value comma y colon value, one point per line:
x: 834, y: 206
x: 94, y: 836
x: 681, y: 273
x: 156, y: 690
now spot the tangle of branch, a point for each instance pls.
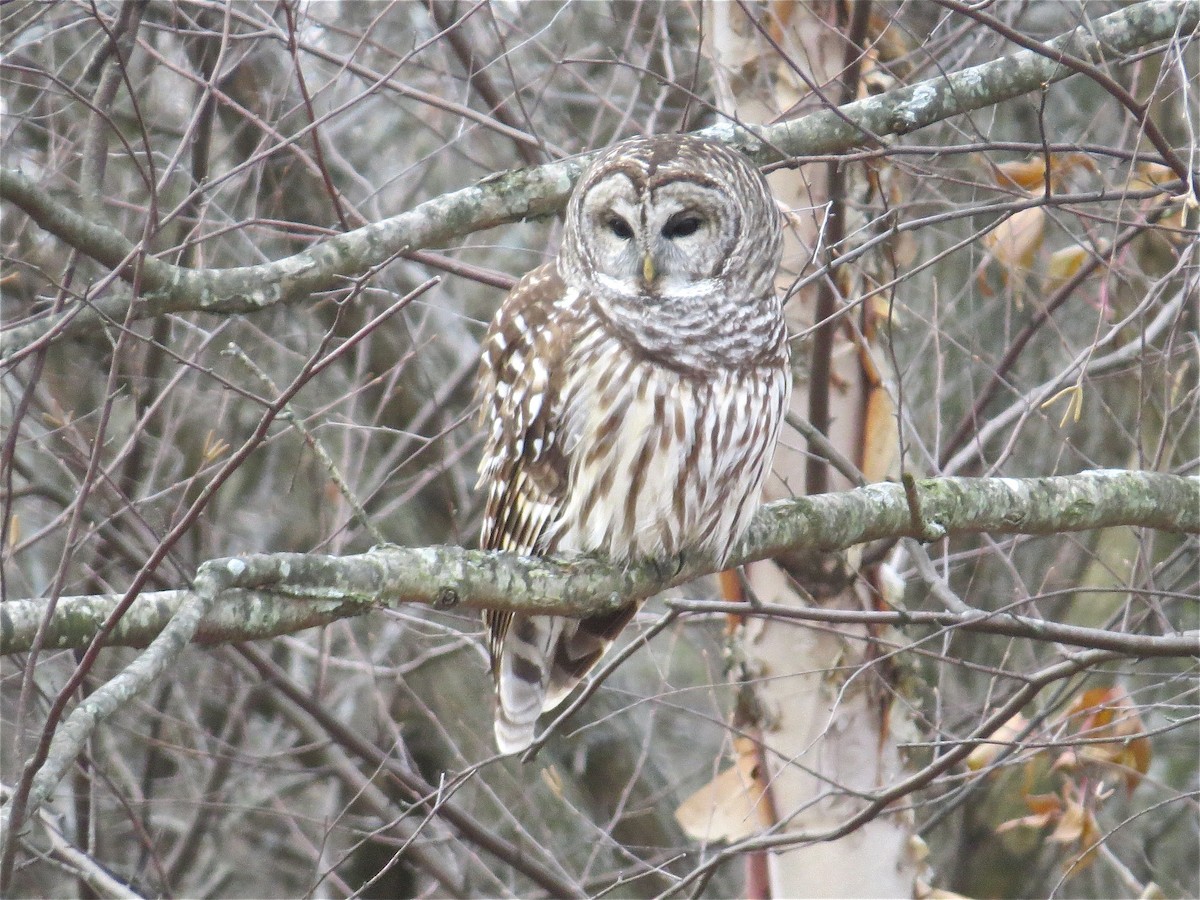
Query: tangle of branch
x: 542, y: 190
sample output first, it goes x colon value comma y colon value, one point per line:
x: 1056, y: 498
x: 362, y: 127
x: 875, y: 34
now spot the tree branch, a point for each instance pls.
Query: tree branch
x: 1140, y: 111
x: 543, y: 190
x: 333, y: 587
x: 1003, y: 622
x: 280, y: 593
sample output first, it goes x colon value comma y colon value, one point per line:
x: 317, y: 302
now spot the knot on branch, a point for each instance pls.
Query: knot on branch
x: 446, y: 598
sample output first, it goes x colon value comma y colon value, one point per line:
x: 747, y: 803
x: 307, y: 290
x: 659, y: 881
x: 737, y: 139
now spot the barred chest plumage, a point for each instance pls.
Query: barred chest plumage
x: 663, y: 460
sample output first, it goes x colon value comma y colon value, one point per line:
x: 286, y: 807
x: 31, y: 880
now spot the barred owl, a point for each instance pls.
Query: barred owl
x: 633, y: 391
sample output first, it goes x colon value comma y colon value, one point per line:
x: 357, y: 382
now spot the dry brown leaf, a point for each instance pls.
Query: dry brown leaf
x: 880, y: 446
x: 731, y: 806
x: 925, y: 891
x: 1108, y: 713
x: 731, y: 590
x: 1071, y: 824
x: 1148, y: 175
x: 1030, y: 175
x: 1043, y: 804
x: 892, y: 44
x: 553, y: 780
x: 1015, y: 242
x: 1078, y: 826
x: 1044, y: 809
x: 781, y: 15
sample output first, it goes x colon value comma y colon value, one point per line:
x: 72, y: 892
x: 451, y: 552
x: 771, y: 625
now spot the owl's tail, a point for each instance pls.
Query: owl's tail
x: 541, y: 662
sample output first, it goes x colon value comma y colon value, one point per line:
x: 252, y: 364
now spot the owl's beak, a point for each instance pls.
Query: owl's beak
x: 648, y: 272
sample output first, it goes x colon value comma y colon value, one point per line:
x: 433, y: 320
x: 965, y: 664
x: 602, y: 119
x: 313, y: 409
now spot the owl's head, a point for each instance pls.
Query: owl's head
x: 667, y: 217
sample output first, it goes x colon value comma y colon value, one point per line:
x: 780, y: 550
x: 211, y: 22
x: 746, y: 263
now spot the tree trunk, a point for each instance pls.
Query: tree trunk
x: 824, y: 711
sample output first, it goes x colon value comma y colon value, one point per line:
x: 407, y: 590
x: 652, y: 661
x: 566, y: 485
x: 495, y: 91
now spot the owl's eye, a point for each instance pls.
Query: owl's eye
x: 680, y: 226
x: 619, y: 227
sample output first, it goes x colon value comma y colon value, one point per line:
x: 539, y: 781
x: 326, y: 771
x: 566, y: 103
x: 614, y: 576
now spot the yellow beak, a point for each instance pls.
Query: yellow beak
x: 648, y: 272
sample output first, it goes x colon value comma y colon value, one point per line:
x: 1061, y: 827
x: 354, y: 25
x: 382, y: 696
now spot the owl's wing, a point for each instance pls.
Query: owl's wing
x: 523, y: 466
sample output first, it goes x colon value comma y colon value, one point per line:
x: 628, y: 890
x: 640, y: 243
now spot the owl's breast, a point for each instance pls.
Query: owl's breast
x: 662, y: 462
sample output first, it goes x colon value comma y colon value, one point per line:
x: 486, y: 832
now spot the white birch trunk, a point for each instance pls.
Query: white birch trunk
x: 825, y: 725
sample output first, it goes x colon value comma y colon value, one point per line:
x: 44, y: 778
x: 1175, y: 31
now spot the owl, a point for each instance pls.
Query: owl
x: 632, y: 392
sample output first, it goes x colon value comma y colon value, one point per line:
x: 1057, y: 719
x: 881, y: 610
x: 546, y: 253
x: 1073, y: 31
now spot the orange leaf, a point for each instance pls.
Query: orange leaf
x: 1078, y: 826
x: 1071, y: 824
x: 1063, y: 265
x: 1030, y: 175
x: 1149, y: 175
x: 1039, y: 821
x: 1043, y: 804
x: 1109, y: 713
x: 1044, y: 809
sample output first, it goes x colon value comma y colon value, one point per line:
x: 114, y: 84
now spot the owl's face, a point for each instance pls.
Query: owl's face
x: 656, y: 239
x: 674, y: 241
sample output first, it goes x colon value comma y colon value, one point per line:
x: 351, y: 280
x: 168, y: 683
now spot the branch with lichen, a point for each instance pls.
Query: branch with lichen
x: 264, y: 595
x: 543, y: 190
x: 257, y: 596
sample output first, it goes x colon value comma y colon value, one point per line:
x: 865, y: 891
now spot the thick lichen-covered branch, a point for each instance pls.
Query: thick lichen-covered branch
x: 542, y: 190
x: 282, y: 593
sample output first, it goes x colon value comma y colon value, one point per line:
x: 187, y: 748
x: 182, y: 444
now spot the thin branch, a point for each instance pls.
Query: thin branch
x: 1007, y: 624
x: 968, y: 426
x: 75, y: 860
x: 409, y: 784
x: 779, y: 837
x: 49, y: 767
x: 58, y: 746
x: 451, y: 26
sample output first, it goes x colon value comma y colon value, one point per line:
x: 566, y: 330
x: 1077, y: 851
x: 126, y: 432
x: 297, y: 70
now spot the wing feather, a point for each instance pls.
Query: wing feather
x: 520, y: 387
